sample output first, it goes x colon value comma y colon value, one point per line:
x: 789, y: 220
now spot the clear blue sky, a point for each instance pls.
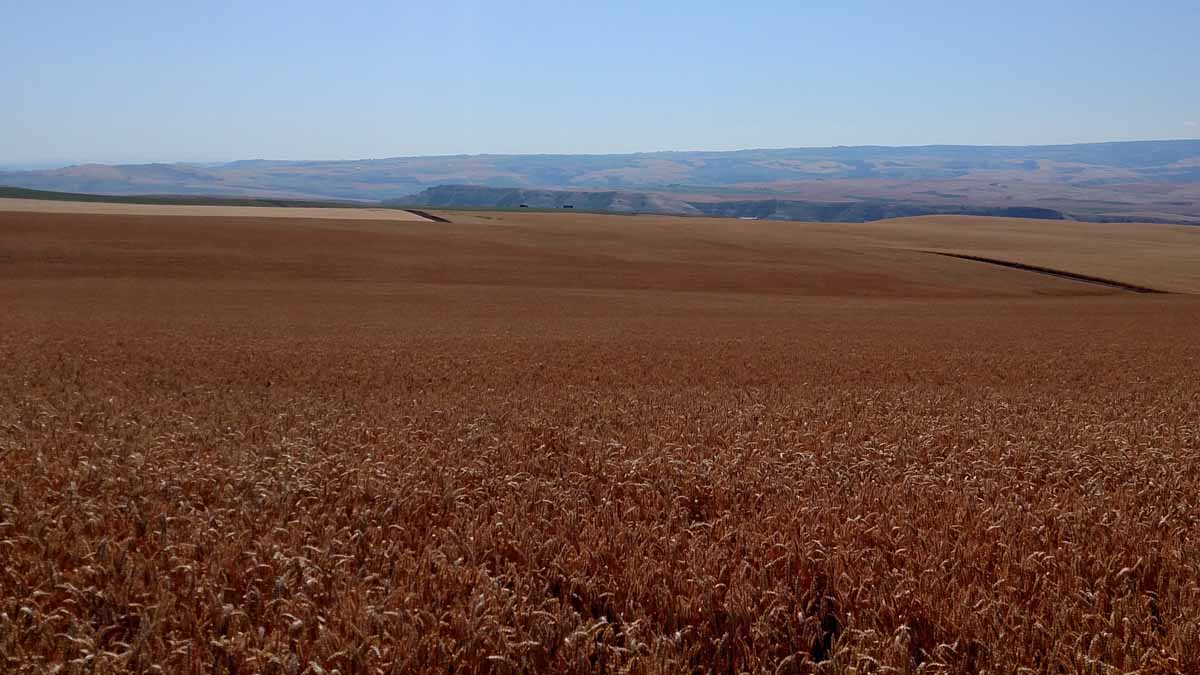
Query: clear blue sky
x: 176, y: 80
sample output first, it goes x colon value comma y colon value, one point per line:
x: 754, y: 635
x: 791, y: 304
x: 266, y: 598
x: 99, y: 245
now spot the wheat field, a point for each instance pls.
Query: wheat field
x: 576, y: 443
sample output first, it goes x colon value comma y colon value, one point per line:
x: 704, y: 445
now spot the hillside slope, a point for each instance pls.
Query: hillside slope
x: 1165, y: 257
x: 514, y: 250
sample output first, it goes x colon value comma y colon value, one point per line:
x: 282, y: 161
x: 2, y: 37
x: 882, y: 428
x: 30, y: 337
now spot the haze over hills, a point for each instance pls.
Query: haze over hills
x: 1136, y: 180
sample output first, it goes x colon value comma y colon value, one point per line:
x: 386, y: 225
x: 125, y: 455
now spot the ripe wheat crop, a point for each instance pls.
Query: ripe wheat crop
x: 204, y: 477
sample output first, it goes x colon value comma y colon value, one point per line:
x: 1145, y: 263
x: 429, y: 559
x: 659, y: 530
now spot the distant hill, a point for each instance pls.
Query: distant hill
x: 1136, y: 180
x: 476, y: 196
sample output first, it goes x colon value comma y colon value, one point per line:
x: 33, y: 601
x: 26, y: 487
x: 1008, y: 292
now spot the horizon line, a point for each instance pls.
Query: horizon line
x: 52, y: 164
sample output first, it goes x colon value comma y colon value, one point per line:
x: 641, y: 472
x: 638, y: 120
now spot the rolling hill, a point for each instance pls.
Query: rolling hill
x: 1137, y: 180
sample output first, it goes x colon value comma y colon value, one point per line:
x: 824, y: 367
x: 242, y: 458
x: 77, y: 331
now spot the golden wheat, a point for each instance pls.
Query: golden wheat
x: 199, y: 475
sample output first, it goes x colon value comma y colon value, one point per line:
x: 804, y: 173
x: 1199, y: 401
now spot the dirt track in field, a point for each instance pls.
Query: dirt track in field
x: 1120, y: 285
x: 562, y: 443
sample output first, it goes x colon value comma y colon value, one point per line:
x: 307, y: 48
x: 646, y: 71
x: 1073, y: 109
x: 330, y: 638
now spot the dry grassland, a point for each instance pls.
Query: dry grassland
x: 567, y: 443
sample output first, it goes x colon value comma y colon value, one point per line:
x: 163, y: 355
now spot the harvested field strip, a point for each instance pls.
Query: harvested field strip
x: 216, y: 211
x: 1052, y: 272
